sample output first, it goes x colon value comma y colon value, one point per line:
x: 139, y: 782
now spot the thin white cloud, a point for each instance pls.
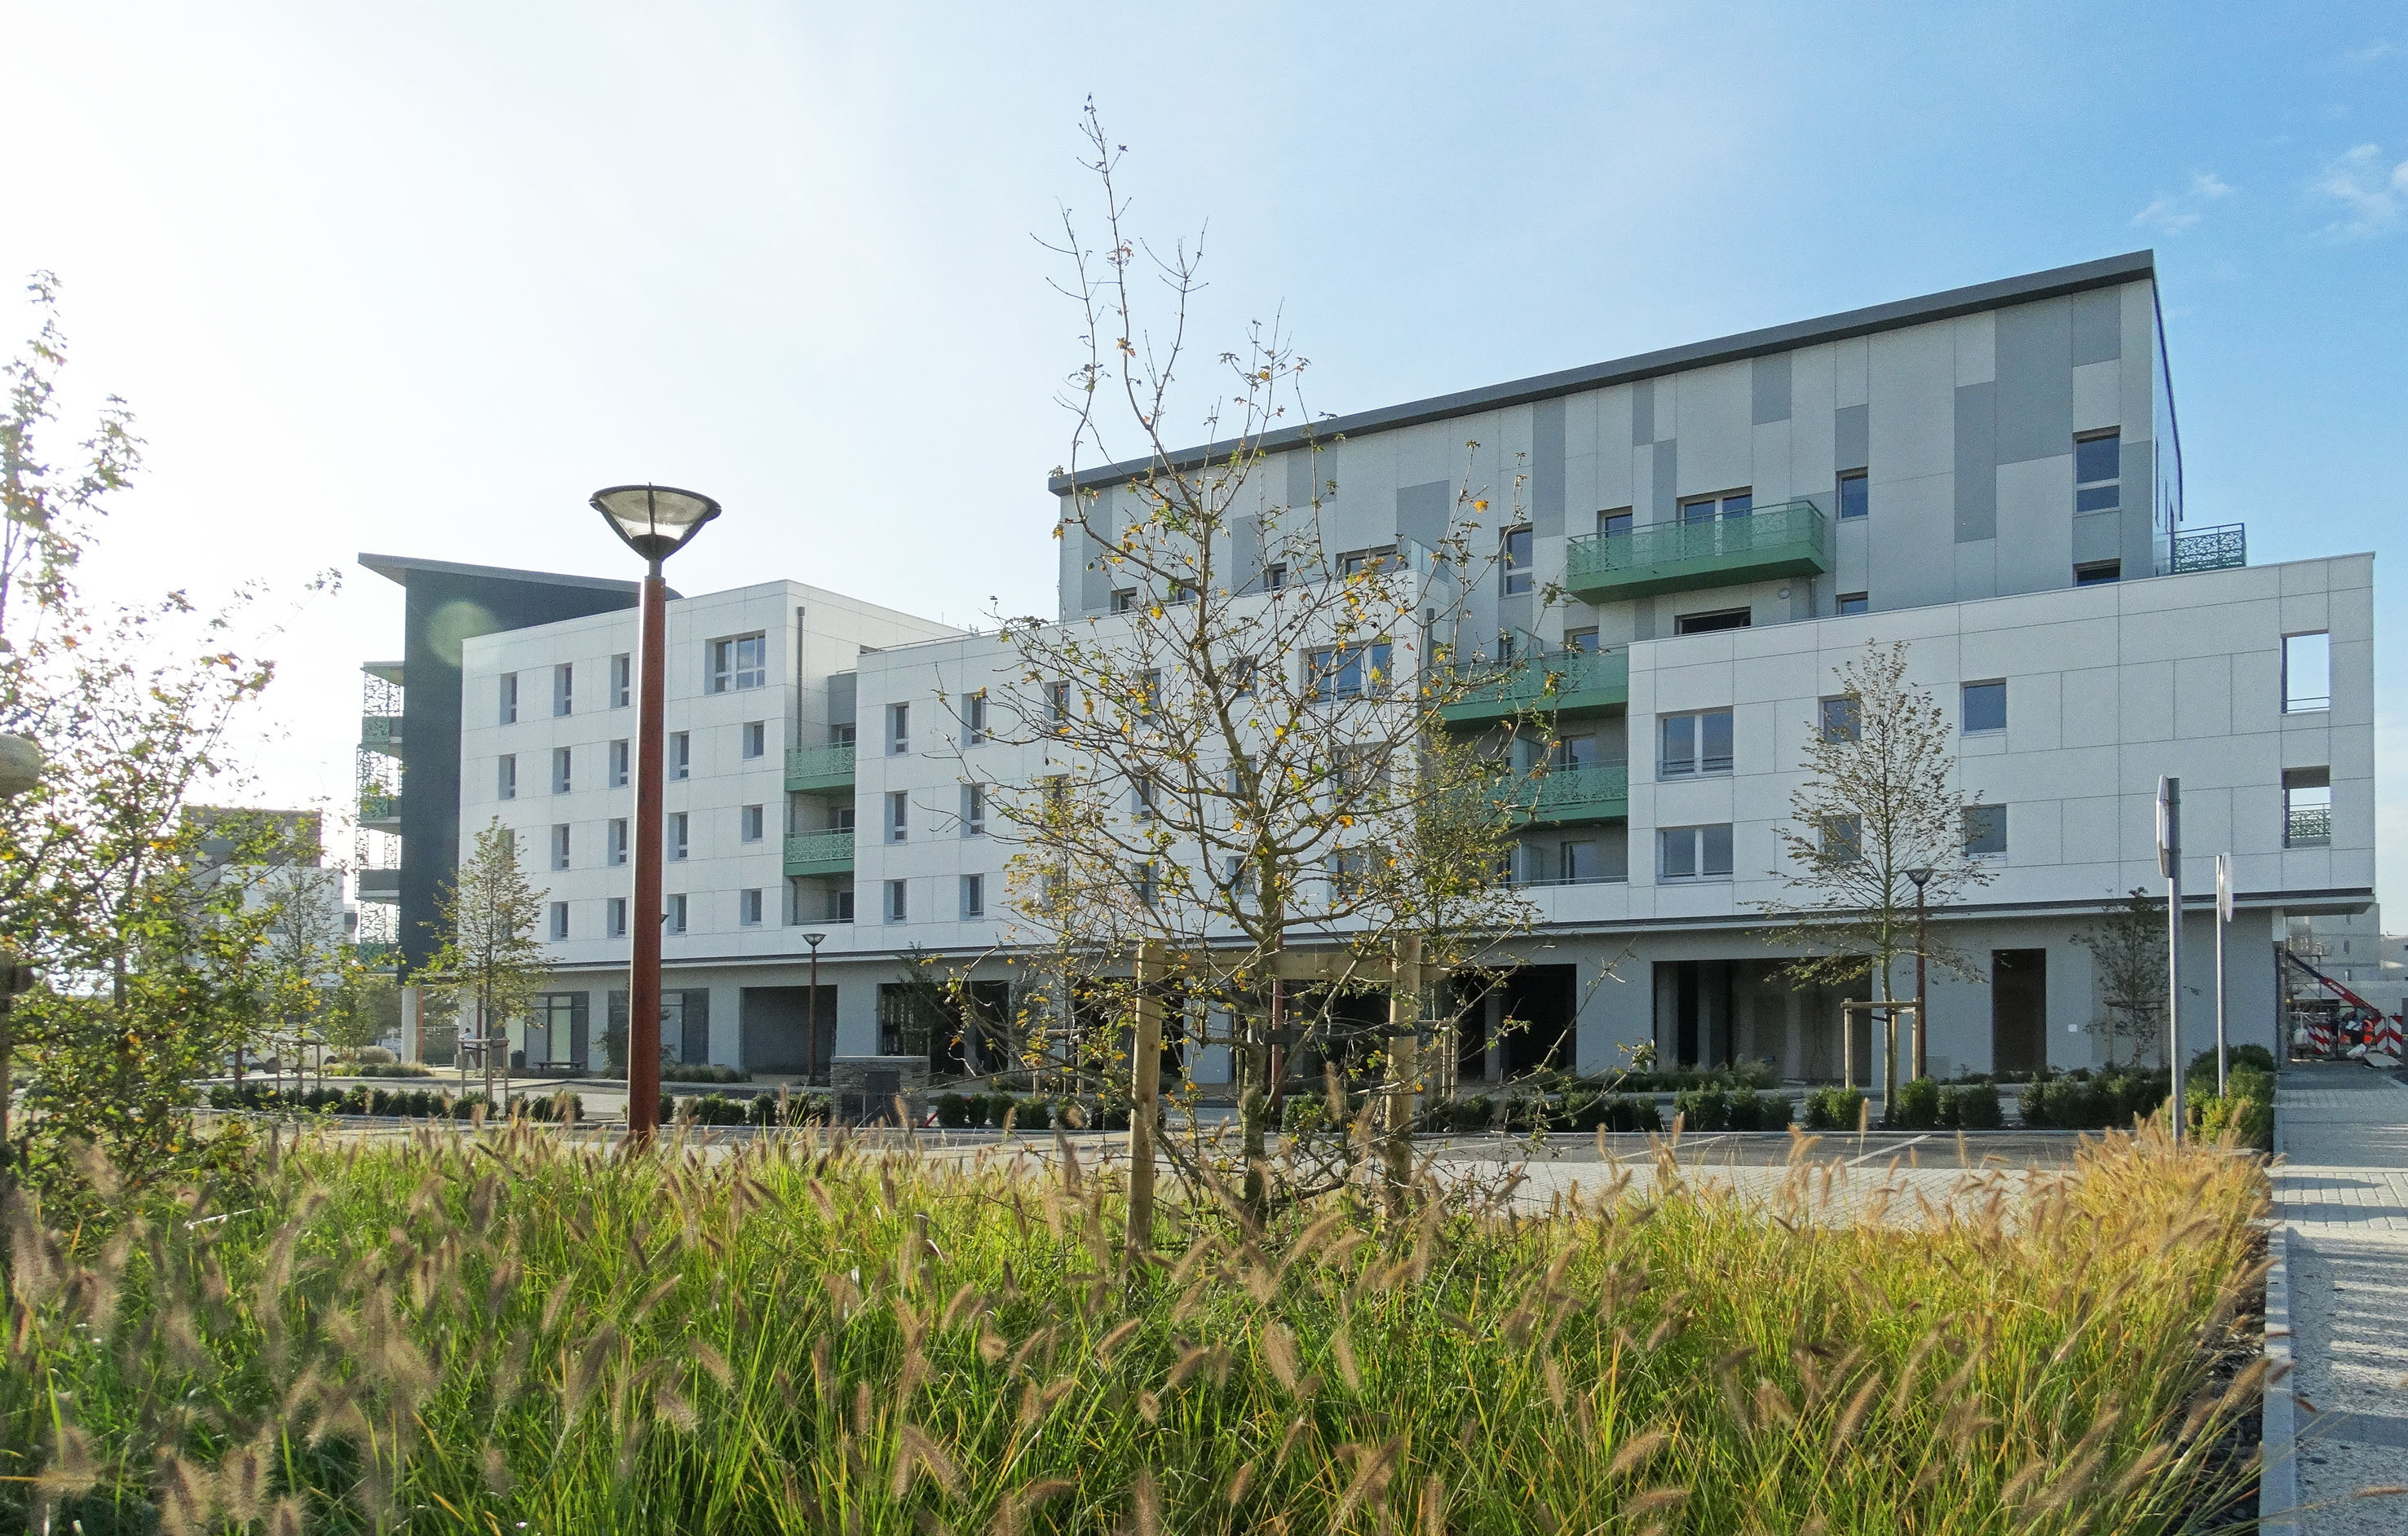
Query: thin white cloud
x: 2374, y: 196
x: 2371, y: 53
x: 2173, y: 212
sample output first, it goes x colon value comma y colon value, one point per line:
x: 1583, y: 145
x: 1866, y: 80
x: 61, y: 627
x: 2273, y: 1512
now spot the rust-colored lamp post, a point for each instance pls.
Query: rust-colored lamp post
x: 656, y: 521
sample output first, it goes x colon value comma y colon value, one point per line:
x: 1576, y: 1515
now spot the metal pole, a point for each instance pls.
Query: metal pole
x: 811, y: 1017
x: 2170, y: 857
x: 2223, y: 916
x: 1145, y: 1095
x: 1920, y: 992
x: 644, y: 931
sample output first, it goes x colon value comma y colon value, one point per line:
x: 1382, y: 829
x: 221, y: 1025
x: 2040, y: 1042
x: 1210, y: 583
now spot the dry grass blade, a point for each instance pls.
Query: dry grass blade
x: 917, y: 1454
x: 1279, y: 1353
x: 1634, y: 1451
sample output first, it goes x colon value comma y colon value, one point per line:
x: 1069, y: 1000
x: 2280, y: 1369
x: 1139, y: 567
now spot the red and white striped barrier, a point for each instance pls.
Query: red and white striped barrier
x: 2383, y: 1040
x: 2320, y: 1037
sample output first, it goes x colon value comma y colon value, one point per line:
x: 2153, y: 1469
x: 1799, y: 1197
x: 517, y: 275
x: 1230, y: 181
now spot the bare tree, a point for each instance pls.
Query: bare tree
x: 490, y: 961
x: 2128, y: 952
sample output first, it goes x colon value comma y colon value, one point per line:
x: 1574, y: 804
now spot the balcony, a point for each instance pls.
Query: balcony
x: 1792, y: 539
x: 1575, y: 797
x: 819, y: 854
x: 2308, y: 826
x: 1557, y: 683
x: 377, y: 886
x: 379, y: 811
x: 820, y: 770
x: 380, y: 733
x: 2212, y: 549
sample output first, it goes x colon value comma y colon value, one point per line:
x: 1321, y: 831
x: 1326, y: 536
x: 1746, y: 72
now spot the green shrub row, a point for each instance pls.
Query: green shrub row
x: 702, y: 1072
x: 2245, y: 1107
x: 1834, y: 1109
x: 2111, y: 1100
x: 1923, y: 1104
x: 1573, y: 1111
x: 1731, y: 1109
x: 404, y: 1103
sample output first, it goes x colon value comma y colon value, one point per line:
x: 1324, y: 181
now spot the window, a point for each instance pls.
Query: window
x: 839, y: 818
x: 510, y: 841
x: 680, y: 756
x: 1274, y: 576
x: 1843, y: 839
x: 559, y: 914
x: 1149, y: 695
x: 1364, y: 562
x: 617, y: 847
x: 1142, y: 792
x: 1843, y: 719
x: 560, y: 770
x: 1734, y: 504
x: 1057, y: 703
x: 974, y: 719
x: 2307, y: 807
x: 748, y: 909
x: 1125, y: 600
x: 1706, y: 624
x: 750, y: 821
x: 840, y: 905
x: 619, y: 763
x: 899, y: 815
x: 614, y: 917
x: 1238, y: 874
x: 679, y: 823
x: 898, y: 729
x: 1576, y: 863
x: 1515, y: 563
x: 1985, y: 708
x: 1359, y: 770
x: 1348, y: 671
x: 899, y: 901
x: 1581, y: 641
x: 1851, y: 602
x: 509, y: 714
x: 506, y: 777
x: 1614, y: 522
x: 563, y: 688
x: 1241, y: 675
x: 560, y: 845
x: 1855, y: 499
x: 2098, y: 473
x: 1986, y: 830
x: 756, y: 740
x: 1182, y: 592
x: 674, y: 919
x: 2307, y: 673
x: 1693, y: 852
x: 1142, y: 882
x: 1694, y: 743
x: 840, y: 736
x: 738, y: 662
x: 974, y: 895
x: 2098, y: 573
x: 622, y: 679
x: 973, y: 809
x: 1571, y: 753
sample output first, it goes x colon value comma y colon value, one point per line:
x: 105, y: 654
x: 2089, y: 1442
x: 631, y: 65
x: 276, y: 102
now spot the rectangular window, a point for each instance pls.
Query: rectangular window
x: 1732, y: 504
x: 755, y: 736
x: 1516, y: 564
x: 560, y: 770
x: 1057, y: 703
x: 1238, y: 874
x: 974, y: 719
x: 840, y: 905
x: 680, y: 756
x: 1843, y: 839
x: 510, y: 711
x: 1347, y: 671
x: 1693, y: 852
x: 618, y: 841
x: 506, y: 775
x: 2307, y: 673
x: 899, y: 901
x: 1143, y: 883
x: 560, y: 845
x: 841, y: 735
x: 674, y: 918
x: 1694, y: 744
x: 563, y: 688
x: 2307, y: 807
x: 1986, y: 830
x: 559, y: 912
x: 1149, y: 695
x: 679, y: 823
x: 748, y: 909
x: 1707, y: 623
x: 1852, y: 602
x: 1274, y: 576
x: 899, y: 815
x: 622, y: 679
x: 1125, y: 600
x: 619, y: 764
x: 750, y: 820
x: 738, y: 662
x: 973, y: 809
x: 1855, y: 494
x: 898, y: 729
x: 2098, y: 473
x: 2098, y: 573
x: 1843, y: 718
x: 1568, y: 754
x: 1580, y: 641
x: 1142, y: 798
x: 1985, y: 708
x: 1364, y: 561
x: 614, y: 917
x: 1616, y: 521
x: 974, y: 895
x: 839, y: 818
x: 1577, y: 863
x: 1240, y: 674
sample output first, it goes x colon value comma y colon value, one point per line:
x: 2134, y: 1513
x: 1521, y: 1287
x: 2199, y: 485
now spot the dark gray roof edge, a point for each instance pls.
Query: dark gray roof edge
x: 397, y: 567
x: 2030, y: 288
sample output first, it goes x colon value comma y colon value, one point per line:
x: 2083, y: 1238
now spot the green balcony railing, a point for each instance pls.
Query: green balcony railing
x: 819, y: 854
x: 817, y: 770
x: 377, y: 886
x: 1558, y: 682
x: 1792, y: 539
x: 2212, y: 549
x: 381, y: 732
x: 1568, y: 796
x: 381, y: 813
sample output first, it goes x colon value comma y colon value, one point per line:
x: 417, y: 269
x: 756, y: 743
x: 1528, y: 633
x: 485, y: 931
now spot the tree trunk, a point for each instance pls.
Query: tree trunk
x: 1253, y: 1107
x: 1404, y: 1069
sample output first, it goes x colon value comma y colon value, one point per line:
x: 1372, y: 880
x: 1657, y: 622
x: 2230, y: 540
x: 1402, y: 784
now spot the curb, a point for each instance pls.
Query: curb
x: 2278, y: 1418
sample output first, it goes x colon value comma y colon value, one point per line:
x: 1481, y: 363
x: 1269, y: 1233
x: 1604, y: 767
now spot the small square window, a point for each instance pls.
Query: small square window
x: 2307, y: 673
x: 1851, y: 602
x: 559, y: 919
x: 679, y: 823
x: 680, y: 756
x: 738, y: 662
x: 1843, y: 718
x: 1986, y: 830
x: 506, y: 777
x: 974, y: 895
x: 2098, y: 573
x: 619, y: 762
x: 614, y: 917
x: 560, y: 845
x: 756, y: 738
x: 1985, y: 708
x: 1855, y: 498
x: 622, y: 679
x: 899, y: 901
x: 1125, y: 600
x: 748, y: 909
x: 750, y: 820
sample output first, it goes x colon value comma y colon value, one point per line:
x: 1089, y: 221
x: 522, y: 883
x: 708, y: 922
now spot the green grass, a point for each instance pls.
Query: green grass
x: 506, y: 1335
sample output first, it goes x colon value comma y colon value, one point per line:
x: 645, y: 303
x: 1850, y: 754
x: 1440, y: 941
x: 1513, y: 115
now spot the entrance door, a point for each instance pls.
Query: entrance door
x: 2018, y: 1010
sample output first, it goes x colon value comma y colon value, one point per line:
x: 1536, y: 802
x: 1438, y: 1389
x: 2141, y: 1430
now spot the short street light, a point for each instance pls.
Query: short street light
x: 811, y: 1013
x: 1921, y: 879
x: 656, y: 522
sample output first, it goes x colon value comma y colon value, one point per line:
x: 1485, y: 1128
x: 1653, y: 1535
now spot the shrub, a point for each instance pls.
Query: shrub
x: 2250, y: 1122
x: 1971, y: 1106
x: 564, y: 1107
x: 1633, y: 1113
x: 1032, y: 1114
x: 953, y: 1110
x: 701, y: 1071
x: 1834, y: 1109
x: 2254, y: 1058
x: 1917, y: 1106
x: 1703, y: 1109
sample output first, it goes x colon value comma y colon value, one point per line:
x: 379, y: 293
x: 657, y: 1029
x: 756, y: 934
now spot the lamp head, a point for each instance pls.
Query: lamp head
x: 20, y: 765
x: 654, y: 521
x: 1920, y: 877
x: 815, y: 940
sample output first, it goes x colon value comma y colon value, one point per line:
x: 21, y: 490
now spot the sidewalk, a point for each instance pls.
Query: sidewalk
x: 2341, y: 1195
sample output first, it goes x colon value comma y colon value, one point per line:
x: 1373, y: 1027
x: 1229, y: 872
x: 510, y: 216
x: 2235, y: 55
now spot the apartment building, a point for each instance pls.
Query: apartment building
x: 1991, y: 475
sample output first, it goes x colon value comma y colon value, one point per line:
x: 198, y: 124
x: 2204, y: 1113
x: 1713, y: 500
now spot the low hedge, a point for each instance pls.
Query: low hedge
x: 1719, y: 1109
x: 1834, y: 1109
x: 390, y: 1103
x: 2111, y: 1100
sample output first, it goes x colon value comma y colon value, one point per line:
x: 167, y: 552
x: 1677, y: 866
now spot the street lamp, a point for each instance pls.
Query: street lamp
x: 656, y: 522
x: 811, y: 1013
x: 1921, y: 879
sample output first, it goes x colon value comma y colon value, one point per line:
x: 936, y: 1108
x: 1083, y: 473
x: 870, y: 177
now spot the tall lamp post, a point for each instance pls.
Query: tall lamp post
x: 656, y: 522
x: 812, y: 1013
x: 1921, y: 879
x: 2170, y: 864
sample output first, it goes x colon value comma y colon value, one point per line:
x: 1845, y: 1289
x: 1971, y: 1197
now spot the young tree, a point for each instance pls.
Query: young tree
x: 1881, y: 799
x: 490, y: 961
x: 308, y: 964
x: 2127, y: 954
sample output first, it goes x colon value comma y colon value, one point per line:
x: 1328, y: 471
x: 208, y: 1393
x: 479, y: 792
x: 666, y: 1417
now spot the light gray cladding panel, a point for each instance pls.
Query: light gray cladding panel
x: 1422, y: 511
x: 1642, y: 412
x: 2140, y: 530
x: 843, y: 696
x: 1095, y: 581
x: 1770, y: 389
x: 1245, y: 551
x: 1977, y: 465
x: 2097, y: 327
x: 1547, y: 468
x: 2035, y: 352
x: 1300, y: 476
x: 1668, y: 480
x: 2097, y: 537
x: 1851, y: 438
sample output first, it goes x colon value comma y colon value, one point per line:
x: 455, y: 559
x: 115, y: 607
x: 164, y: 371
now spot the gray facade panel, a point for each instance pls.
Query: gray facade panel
x: 1422, y: 511
x: 1642, y: 412
x: 2035, y: 378
x: 2140, y: 544
x: 1977, y: 462
x: 1245, y: 551
x: 1851, y: 438
x: 2097, y: 327
x: 1547, y: 468
x: 1769, y: 381
x: 1299, y: 477
x: 2097, y: 537
x: 1667, y: 500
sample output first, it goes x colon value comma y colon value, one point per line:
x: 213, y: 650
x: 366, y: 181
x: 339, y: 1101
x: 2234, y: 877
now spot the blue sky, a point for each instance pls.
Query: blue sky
x: 416, y: 280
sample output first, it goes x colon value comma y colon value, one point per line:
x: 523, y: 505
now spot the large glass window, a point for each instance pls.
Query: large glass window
x: 1694, y: 744
x: 1985, y: 708
x: 1693, y: 852
x: 1348, y: 671
x: 2307, y: 672
x: 1734, y: 504
x: 2098, y: 473
x: 738, y: 662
